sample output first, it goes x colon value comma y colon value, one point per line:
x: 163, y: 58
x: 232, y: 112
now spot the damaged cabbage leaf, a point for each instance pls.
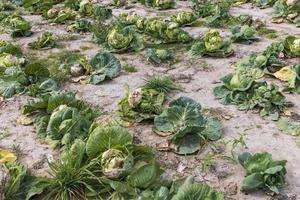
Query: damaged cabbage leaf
x: 9, y: 60
x: 104, y: 66
x: 244, y: 34
x: 186, y: 125
x: 262, y: 172
x: 10, y: 86
x: 12, y: 81
x: 288, y: 127
x: 212, y: 44
x: 291, y: 75
x: 45, y: 41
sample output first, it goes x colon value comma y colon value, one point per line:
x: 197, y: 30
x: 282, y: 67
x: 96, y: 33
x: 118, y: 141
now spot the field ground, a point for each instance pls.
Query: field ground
x: 198, y: 77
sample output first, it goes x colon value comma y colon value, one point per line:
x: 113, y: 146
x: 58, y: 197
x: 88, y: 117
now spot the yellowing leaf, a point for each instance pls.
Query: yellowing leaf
x: 288, y: 75
x: 25, y: 121
x: 6, y: 156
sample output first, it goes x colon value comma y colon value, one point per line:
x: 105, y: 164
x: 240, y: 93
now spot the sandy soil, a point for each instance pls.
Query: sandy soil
x: 198, y: 78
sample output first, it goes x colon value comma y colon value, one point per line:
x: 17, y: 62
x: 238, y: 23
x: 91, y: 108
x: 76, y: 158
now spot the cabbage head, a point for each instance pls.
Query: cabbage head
x: 120, y: 39
x: 116, y: 162
x: 183, y: 18
x: 213, y: 40
x: 292, y: 46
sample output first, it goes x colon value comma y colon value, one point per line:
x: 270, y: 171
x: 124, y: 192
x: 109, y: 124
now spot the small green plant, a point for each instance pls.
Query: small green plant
x: 17, y: 150
x: 235, y: 142
x: 161, y: 84
x: 4, y: 133
x: 129, y: 68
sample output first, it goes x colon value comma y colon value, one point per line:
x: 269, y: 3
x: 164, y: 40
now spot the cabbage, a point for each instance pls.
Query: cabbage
x: 117, y: 40
x: 159, y: 4
x: 212, y: 40
x: 18, y: 25
x: 292, y: 46
x: 212, y: 44
x: 46, y: 40
x: 183, y: 18
x: 187, y: 125
x: 158, y: 55
x: 243, y: 33
x: 121, y: 39
x: 116, y: 162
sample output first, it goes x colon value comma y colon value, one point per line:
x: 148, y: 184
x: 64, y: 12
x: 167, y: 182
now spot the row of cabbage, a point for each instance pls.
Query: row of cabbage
x: 99, y: 159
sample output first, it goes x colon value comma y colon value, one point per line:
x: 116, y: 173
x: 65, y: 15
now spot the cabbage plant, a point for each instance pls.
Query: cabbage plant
x: 292, y: 46
x: 287, y: 10
x: 158, y: 55
x: 212, y: 44
x: 251, y: 95
x: 215, y: 12
x: 147, y: 101
x: 187, y: 126
x: 159, y: 4
x: 244, y: 34
x: 80, y: 26
x: 192, y: 190
x: 141, y: 104
x: 184, y: 18
x: 165, y: 32
x: 103, y: 66
x: 262, y: 172
x: 45, y: 41
x: 60, y: 118
x: 123, y: 163
x: 18, y: 26
x: 60, y: 16
x: 121, y: 39
x: 10, y: 48
x: 87, y: 8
